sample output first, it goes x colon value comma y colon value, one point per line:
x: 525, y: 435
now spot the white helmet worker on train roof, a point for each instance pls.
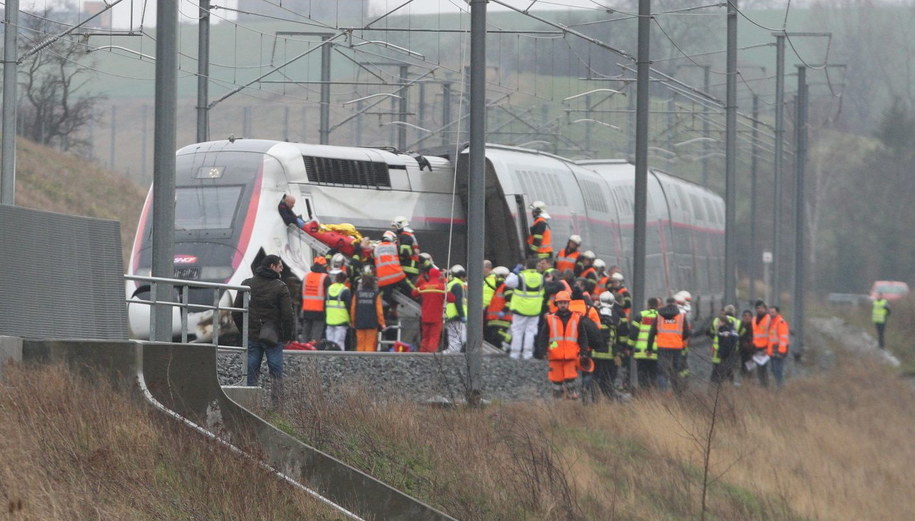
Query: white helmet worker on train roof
x: 539, y: 208
x: 400, y: 222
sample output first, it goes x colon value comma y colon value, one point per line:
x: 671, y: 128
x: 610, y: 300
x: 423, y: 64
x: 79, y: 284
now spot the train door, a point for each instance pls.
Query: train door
x: 297, y: 252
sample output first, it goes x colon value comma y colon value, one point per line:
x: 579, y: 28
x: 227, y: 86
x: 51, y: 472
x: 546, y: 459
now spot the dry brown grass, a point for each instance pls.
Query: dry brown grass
x: 835, y: 446
x: 74, y: 449
x: 56, y: 182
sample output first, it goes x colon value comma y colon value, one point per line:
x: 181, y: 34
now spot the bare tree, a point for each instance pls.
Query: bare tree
x: 54, y: 103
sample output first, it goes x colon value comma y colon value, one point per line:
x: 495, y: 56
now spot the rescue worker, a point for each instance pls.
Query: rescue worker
x: 539, y: 242
x: 314, y: 292
x: 431, y: 292
x: 669, y: 333
x: 526, y: 307
x: 724, y: 332
x: 761, y: 341
x: 568, y: 256
x: 490, y: 282
x: 606, y: 356
x: 879, y: 313
x: 778, y: 344
x: 407, y: 247
x: 367, y: 313
x: 746, y: 343
x: 337, y: 311
x: 584, y: 268
x: 645, y: 354
x: 456, y: 310
x: 566, y: 338
x: 388, y: 269
x: 603, y: 279
x: 682, y: 299
x: 498, y: 314
x: 623, y: 298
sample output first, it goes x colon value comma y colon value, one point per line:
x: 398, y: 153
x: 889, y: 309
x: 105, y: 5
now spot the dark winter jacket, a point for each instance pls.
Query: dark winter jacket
x: 270, y: 300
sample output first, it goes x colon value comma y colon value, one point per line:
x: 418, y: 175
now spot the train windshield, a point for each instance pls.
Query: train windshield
x: 206, y: 207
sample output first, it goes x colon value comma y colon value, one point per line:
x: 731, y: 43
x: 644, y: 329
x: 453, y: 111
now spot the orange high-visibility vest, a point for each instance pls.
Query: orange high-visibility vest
x: 546, y: 244
x: 563, y: 341
x: 761, y: 332
x: 313, y: 291
x: 670, y: 332
x: 601, y: 286
x: 499, y: 303
x: 778, y: 336
x: 566, y: 260
x: 387, y: 265
x: 590, y: 270
x: 580, y: 307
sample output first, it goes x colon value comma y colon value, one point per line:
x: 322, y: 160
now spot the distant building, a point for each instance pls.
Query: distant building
x: 320, y: 10
x: 91, y: 8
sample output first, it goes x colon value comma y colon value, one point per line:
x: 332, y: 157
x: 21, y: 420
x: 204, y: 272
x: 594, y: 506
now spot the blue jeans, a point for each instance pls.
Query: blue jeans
x: 777, y: 365
x: 256, y: 351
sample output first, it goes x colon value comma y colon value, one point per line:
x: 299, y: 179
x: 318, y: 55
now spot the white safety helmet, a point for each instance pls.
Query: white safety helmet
x: 617, y: 277
x: 337, y: 261
x: 501, y: 271
x: 588, y: 255
x: 400, y: 222
x: 683, y: 296
x: 388, y: 236
x: 607, y: 298
x: 538, y: 205
x: 599, y: 264
x: 576, y: 239
x: 457, y: 271
x: 426, y: 257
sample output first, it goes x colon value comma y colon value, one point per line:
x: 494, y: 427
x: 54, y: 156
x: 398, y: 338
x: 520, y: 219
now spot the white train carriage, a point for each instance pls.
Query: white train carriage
x: 227, y: 193
x: 226, y: 216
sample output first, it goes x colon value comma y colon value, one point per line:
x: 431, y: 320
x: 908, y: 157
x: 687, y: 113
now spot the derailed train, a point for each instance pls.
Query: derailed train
x: 227, y: 192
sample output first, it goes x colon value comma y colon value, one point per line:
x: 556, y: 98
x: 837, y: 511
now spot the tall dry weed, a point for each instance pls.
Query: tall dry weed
x: 74, y: 448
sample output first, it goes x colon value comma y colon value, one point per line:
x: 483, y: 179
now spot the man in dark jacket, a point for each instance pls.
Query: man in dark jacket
x: 270, y: 302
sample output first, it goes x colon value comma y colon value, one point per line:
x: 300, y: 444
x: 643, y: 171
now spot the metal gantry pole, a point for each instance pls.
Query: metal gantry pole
x: 402, y: 109
x: 10, y: 70
x: 706, y: 75
x: 753, y: 257
x: 640, y: 215
x: 730, y: 199
x: 777, y: 177
x: 324, y: 129
x: 800, y: 203
x: 476, y: 210
x: 165, y: 141
x: 446, y: 112
x: 203, y: 72
x: 476, y: 196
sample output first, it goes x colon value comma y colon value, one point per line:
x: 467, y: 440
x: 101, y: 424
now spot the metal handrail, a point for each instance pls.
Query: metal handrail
x: 185, y: 305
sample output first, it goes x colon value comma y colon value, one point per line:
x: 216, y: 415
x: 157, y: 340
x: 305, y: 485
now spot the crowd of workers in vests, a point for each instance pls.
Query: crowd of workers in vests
x: 567, y: 307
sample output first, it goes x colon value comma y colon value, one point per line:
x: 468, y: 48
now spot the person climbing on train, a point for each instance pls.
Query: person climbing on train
x: 287, y: 202
x: 539, y: 242
x: 407, y: 247
x: 568, y: 256
x: 390, y: 273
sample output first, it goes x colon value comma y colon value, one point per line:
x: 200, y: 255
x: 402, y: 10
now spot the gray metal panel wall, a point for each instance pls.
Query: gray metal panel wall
x: 61, y: 276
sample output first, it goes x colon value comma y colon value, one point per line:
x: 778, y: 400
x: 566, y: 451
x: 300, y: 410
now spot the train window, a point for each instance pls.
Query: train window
x: 593, y: 195
x: 206, y: 207
x: 349, y: 172
x: 710, y: 209
x: 698, y: 210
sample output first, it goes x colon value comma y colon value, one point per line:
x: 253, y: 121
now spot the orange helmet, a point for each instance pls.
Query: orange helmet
x: 562, y: 296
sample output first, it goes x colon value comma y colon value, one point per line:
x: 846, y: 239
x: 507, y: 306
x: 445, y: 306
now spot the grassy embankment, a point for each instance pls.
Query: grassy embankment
x: 54, y: 181
x: 900, y: 329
